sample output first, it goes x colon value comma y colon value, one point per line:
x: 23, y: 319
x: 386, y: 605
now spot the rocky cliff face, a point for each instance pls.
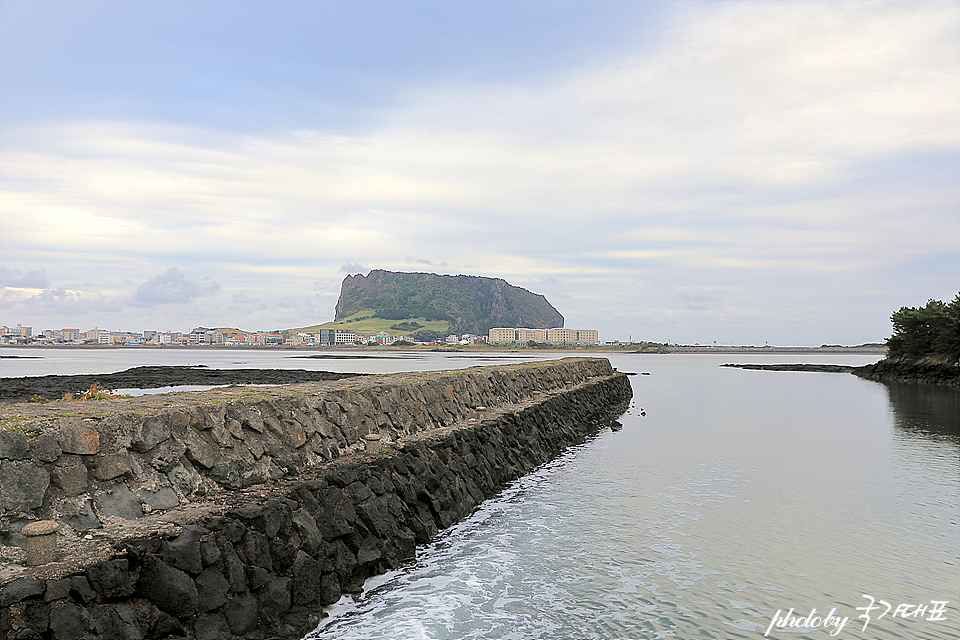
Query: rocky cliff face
x: 471, y: 304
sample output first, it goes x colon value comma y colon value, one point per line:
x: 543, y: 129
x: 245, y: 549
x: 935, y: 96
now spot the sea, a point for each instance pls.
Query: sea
x: 725, y: 503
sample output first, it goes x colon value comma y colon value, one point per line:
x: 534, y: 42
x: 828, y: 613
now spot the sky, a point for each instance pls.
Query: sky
x: 758, y: 172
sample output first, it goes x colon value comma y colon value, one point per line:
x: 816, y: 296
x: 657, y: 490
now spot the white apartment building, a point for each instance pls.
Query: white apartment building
x: 346, y: 337
x: 558, y: 335
x: 170, y: 337
x: 202, y: 335
x: 517, y: 335
x: 573, y: 336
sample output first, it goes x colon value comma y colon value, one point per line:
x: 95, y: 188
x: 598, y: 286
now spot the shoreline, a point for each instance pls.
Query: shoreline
x: 623, y: 348
x: 946, y: 374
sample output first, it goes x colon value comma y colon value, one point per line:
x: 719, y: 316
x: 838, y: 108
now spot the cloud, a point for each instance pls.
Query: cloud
x: 746, y: 145
x: 699, y: 299
x: 60, y: 305
x: 241, y: 303
x: 13, y: 278
x: 172, y: 287
x: 430, y: 263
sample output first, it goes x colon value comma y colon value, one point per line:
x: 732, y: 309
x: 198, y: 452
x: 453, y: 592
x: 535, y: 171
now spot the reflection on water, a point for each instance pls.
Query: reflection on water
x: 926, y: 408
x: 171, y: 389
x: 926, y: 462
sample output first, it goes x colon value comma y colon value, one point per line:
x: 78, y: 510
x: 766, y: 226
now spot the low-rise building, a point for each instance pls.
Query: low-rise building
x: 235, y: 339
x: 301, y: 339
x: 201, y: 335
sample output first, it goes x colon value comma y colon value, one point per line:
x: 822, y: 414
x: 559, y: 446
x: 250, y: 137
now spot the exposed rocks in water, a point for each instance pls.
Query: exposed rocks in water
x: 54, y: 387
x: 824, y: 368
x: 939, y: 373
x: 923, y: 372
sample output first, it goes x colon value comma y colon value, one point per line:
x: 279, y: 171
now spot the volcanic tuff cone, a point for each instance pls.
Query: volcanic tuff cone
x: 471, y: 304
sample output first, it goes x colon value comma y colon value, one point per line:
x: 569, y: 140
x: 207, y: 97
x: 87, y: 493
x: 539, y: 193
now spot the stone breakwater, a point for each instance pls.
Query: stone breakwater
x: 254, y: 550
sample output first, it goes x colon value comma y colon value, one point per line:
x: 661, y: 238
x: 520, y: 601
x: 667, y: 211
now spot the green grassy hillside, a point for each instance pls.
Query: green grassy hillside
x: 365, y: 323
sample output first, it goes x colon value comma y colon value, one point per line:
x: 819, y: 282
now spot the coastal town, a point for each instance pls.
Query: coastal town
x: 203, y: 336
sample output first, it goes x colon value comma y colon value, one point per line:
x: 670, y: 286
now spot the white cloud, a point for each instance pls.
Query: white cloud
x: 15, y: 279
x: 756, y: 143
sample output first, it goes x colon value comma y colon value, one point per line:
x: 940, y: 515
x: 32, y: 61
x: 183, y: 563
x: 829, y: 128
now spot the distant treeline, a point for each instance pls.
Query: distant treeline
x: 931, y: 332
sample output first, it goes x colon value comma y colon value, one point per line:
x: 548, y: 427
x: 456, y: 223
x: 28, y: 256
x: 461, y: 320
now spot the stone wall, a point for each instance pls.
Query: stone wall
x: 319, y: 517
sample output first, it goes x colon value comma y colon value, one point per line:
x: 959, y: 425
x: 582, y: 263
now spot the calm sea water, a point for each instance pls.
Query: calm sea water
x: 740, y: 494
x: 63, y: 361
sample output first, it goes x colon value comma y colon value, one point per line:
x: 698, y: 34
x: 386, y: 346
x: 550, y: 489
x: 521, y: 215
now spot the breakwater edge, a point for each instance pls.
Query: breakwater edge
x: 240, y: 512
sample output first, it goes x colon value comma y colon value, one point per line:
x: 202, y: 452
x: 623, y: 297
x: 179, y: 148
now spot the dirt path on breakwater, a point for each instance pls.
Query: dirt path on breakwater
x: 53, y: 387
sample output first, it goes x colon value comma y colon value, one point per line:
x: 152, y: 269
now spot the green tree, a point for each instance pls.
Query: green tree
x: 932, y: 331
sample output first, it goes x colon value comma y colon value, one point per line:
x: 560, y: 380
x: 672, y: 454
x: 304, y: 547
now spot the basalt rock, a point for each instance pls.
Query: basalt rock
x: 923, y: 372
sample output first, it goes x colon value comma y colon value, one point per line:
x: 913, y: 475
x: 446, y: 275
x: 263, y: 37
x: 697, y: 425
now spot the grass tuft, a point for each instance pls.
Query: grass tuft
x: 96, y: 392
